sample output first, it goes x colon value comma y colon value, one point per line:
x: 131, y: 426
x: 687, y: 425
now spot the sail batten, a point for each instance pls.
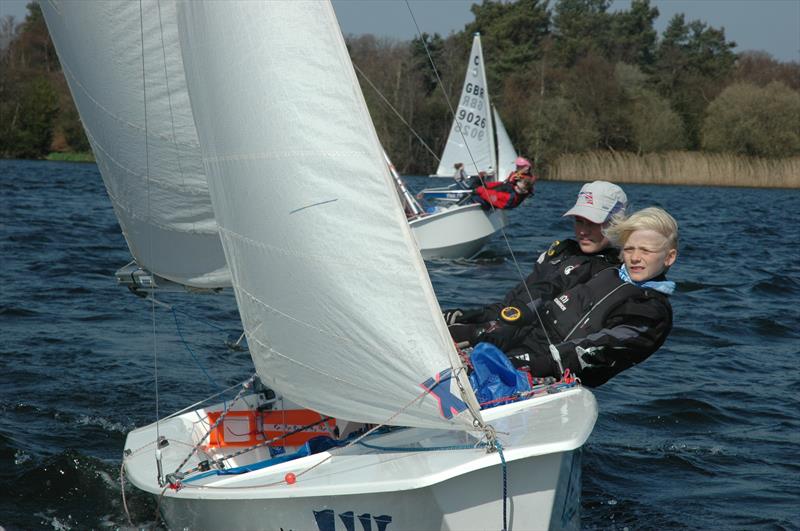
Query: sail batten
x: 333, y: 295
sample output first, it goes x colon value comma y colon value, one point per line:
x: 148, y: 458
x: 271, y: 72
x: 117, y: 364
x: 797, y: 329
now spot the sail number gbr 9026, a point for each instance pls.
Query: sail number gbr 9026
x: 471, y: 122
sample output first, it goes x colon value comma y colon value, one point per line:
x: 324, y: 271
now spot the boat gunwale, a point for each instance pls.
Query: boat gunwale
x: 274, y: 486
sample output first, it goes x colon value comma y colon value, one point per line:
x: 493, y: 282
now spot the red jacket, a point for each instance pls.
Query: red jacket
x: 501, y: 195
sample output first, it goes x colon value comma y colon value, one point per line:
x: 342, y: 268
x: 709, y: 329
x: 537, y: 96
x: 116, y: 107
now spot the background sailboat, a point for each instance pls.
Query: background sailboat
x: 457, y: 231
x: 478, y: 139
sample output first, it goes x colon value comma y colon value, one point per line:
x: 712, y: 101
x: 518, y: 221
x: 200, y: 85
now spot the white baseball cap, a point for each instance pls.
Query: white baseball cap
x: 598, y: 201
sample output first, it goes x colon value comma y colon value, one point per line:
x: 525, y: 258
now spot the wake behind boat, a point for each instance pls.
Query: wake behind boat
x: 344, y: 330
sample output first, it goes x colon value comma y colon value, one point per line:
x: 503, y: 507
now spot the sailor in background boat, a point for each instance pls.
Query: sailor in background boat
x: 599, y: 328
x: 466, y: 181
x: 460, y: 176
x: 566, y: 263
x: 511, y: 192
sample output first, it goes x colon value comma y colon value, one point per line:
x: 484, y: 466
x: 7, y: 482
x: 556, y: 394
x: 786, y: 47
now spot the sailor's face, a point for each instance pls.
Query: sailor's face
x: 647, y: 255
x: 590, y: 236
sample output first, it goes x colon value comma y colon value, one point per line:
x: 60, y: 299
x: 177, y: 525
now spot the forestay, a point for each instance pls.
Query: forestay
x: 471, y: 138
x: 125, y: 72
x: 338, y: 309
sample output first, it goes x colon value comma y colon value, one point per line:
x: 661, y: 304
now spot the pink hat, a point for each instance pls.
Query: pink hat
x: 522, y: 162
x: 598, y: 201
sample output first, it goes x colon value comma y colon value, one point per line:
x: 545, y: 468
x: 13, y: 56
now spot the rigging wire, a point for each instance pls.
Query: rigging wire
x: 150, y: 239
x: 396, y: 112
x: 122, y: 489
x: 502, y: 229
x: 477, y: 419
x: 475, y: 414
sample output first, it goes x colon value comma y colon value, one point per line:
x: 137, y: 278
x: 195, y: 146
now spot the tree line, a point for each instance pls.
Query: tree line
x: 567, y: 76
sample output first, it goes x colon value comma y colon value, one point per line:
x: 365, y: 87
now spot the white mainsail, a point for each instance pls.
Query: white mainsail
x: 338, y: 309
x: 124, y: 68
x: 506, y: 154
x: 471, y: 140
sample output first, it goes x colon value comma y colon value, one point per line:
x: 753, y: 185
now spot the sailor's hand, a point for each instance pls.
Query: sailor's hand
x: 591, y: 357
x: 451, y: 316
x: 502, y: 336
x: 478, y: 315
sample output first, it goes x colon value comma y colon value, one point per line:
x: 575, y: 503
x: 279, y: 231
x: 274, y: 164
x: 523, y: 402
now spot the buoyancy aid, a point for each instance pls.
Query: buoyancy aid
x: 598, y: 329
x: 584, y: 309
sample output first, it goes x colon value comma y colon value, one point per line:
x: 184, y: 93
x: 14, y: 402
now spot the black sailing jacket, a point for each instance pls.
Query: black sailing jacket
x: 599, y: 328
x: 561, y: 267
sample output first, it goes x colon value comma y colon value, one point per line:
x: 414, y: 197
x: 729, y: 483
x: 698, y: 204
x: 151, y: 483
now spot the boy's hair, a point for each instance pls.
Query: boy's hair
x: 652, y: 218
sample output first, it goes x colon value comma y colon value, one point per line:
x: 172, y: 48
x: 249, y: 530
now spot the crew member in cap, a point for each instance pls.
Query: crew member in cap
x: 566, y: 263
x: 511, y: 192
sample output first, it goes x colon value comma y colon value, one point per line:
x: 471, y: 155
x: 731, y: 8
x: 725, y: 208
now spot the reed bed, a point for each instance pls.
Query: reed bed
x: 678, y: 167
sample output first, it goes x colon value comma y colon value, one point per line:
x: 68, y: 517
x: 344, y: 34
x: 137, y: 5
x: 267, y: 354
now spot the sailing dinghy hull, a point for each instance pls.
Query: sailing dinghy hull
x: 457, y: 231
x: 408, y: 478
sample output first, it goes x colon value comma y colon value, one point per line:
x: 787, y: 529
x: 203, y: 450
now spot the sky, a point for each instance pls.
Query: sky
x: 772, y: 26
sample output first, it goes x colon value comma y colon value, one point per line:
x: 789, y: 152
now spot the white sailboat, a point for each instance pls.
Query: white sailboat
x: 478, y: 138
x: 454, y: 231
x: 345, y: 324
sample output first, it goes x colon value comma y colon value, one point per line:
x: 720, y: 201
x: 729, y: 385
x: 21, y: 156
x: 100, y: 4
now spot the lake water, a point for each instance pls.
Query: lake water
x: 703, y: 435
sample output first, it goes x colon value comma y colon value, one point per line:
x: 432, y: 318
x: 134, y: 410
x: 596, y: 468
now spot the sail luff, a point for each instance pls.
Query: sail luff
x: 124, y: 70
x: 333, y: 294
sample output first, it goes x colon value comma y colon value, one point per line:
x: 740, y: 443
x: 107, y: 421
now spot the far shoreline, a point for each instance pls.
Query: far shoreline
x: 684, y: 168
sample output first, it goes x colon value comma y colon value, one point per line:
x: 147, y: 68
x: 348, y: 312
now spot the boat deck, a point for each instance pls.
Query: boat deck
x: 401, y: 459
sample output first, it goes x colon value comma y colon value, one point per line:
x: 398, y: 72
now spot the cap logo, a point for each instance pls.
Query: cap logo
x: 587, y: 197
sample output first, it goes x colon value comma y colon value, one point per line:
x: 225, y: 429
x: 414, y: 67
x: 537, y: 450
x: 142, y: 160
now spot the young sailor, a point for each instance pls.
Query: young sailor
x: 511, y: 192
x: 599, y: 328
x: 567, y: 262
